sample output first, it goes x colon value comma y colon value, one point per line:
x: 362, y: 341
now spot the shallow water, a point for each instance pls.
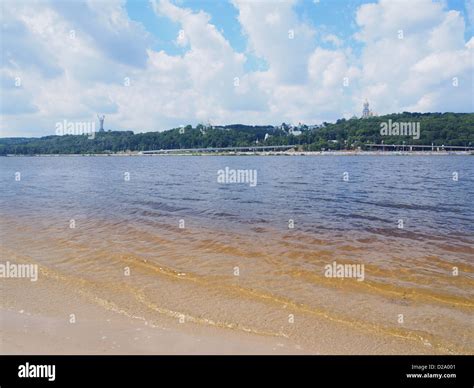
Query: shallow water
x: 235, y: 229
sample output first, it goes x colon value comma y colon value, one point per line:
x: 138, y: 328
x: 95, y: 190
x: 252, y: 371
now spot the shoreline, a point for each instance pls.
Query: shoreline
x: 165, y: 307
x: 103, y: 332
x: 28, y: 328
x: 266, y: 153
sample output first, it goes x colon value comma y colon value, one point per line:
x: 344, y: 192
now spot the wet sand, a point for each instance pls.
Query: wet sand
x: 185, y: 305
x: 43, y: 326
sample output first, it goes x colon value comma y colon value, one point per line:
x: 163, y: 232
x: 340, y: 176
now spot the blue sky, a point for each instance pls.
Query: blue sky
x: 153, y: 65
x: 335, y: 16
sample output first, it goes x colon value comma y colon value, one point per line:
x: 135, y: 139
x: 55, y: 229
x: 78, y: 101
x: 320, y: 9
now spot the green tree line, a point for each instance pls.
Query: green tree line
x: 449, y: 129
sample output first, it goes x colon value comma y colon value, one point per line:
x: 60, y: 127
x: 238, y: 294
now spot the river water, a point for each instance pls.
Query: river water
x: 163, y: 238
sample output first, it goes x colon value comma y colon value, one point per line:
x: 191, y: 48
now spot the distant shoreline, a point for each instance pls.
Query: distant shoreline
x: 262, y: 153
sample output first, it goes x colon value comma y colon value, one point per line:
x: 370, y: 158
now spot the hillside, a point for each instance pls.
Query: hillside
x: 455, y: 129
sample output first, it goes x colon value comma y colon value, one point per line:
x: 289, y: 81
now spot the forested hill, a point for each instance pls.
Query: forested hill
x: 438, y: 128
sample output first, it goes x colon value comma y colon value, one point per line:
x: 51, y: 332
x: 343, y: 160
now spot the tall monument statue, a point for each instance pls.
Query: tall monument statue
x: 101, y: 121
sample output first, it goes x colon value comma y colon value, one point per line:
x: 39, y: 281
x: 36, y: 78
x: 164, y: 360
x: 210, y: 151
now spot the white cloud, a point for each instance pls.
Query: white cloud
x: 276, y: 34
x: 416, y: 72
x: 333, y: 39
x: 64, y: 78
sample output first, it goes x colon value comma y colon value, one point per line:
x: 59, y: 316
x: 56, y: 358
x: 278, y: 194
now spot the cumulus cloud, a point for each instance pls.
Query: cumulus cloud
x: 105, y: 25
x: 276, y: 34
x: 333, y: 39
x: 410, y: 59
x: 76, y: 59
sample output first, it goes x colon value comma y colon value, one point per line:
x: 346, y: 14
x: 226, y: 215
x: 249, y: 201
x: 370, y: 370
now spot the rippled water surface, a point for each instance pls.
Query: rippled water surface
x: 234, y: 229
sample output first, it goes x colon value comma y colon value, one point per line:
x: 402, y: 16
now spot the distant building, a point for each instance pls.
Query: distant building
x: 366, y: 110
x: 294, y: 132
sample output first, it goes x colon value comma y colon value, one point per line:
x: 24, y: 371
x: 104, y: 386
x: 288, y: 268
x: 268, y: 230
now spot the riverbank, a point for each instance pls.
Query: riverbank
x: 82, y: 303
x: 267, y: 153
x: 51, y: 317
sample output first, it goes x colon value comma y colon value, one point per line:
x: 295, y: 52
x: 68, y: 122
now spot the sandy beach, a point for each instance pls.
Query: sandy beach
x: 37, y: 320
x: 64, y: 314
